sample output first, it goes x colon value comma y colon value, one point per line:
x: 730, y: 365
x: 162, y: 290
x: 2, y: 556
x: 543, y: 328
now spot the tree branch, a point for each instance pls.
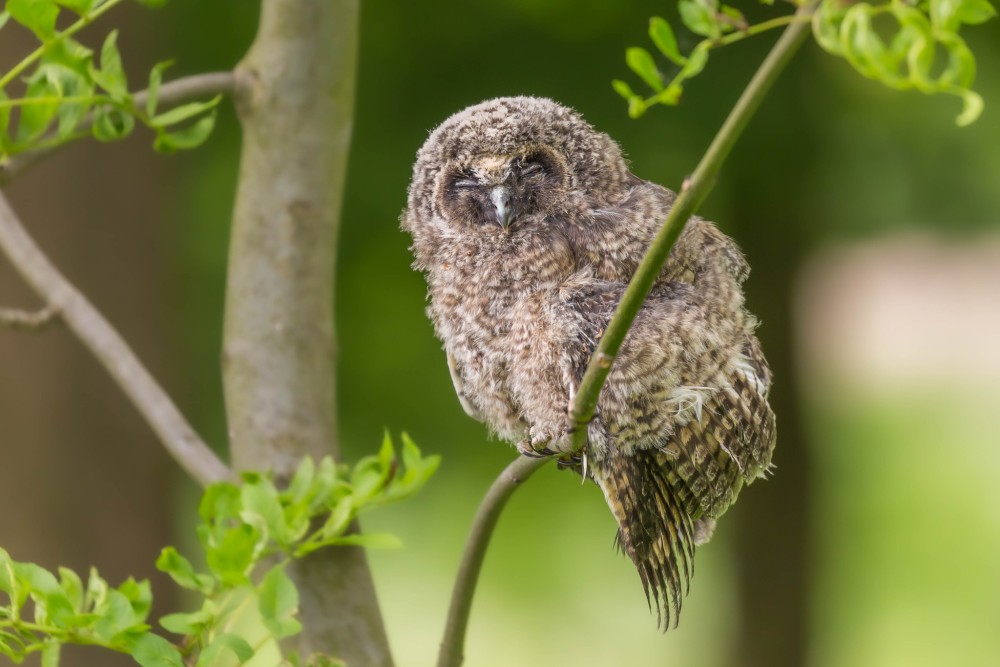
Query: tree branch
x: 519, y: 470
x: 180, y: 90
x: 692, y: 194
x: 278, y: 352
x: 24, y: 319
x: 111, y: 350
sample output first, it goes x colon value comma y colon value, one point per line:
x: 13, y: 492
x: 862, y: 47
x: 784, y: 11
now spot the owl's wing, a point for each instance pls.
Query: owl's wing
x: 456, y: 379
x: 728, y: 441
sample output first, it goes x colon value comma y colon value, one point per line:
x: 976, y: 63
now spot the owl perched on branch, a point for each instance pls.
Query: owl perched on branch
x: 528, y: 226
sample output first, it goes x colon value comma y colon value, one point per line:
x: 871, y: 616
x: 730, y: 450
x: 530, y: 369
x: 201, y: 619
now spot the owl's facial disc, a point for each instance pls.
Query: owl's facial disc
x: 505, y: 191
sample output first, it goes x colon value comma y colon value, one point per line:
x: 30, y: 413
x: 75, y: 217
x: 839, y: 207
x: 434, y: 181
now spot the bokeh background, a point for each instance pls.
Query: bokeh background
x: 873, y: 227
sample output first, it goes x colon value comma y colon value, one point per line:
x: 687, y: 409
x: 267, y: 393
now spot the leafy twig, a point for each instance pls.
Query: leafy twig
x: 174, y: 92
x: 180, y: 440
x: 25, y: 319
x: 584, y: 405
x: 694, y: 192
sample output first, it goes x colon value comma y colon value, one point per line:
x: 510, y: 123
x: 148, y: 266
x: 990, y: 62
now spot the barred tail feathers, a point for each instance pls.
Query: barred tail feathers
x: 654, y: 530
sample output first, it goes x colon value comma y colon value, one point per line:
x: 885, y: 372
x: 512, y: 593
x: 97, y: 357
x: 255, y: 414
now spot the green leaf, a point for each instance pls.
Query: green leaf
x: 671, y: 95
x: 235, y: 644
x: 972, y: 108
x: 111, y: 124
x: 736, y: 19
x: 369, y: 540
x: 278, y: 601
x: 38, y: 16
x: 949, y: 15
x: 641, y: 62
x: 153, y: 89
x: 961, y: 69
x: 663, y: 36
x: 116, y: 616
x: 623, y: 89
x: 220, y: 503
x: 182, y: 572
x: 53, y: 609
x: 97, y: 590
x: 151, y: 650
x: 71, y: 585
x: 699, y: 17
x: 187, y: 138
x: 191, y: 623
x: 235, y: 553
x: 37, y: 115
x: 183, y: 112
x: 301, y: 485
x: 50, y: 653
x: 262, y: 509
x: 111, y: 75
x: 4, y: 16
x: 386, y: 453
x: 79, y: 6
x: 696, y: 62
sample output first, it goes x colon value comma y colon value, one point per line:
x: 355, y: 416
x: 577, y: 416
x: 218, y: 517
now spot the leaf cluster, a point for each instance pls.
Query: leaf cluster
x: 243, y: 529
x: 900, y: 43
x: 69, y: 91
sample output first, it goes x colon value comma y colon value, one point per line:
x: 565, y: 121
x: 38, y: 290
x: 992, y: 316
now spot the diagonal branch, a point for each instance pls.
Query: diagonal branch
x: 174, y: 92
x: 111, y: 350
x: 584, y: 406
x: 13, y: 318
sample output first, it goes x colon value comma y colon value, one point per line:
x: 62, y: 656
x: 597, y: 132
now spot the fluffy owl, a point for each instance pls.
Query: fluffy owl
x: 528, y: 226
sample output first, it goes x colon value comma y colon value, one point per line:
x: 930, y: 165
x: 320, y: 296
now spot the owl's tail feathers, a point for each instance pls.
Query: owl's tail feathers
x: 653, y: 529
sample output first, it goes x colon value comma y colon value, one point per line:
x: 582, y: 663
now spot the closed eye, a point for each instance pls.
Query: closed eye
x: 466, y: 183
x: 532, y: 169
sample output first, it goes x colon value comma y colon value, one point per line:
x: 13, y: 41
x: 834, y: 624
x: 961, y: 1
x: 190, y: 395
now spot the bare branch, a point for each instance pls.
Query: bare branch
x: 111, y: 350
x: 13, y: 318
x: 174, y: 92
x: 695, y: 189
x: 453, y: 643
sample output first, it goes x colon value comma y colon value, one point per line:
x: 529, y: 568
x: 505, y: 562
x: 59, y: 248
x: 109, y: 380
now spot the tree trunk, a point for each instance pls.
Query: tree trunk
x: 295, y: 103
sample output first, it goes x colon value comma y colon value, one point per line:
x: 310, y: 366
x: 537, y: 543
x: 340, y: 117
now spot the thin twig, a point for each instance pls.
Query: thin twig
x: 695, y: 189
x: 688, y: 200
x: 173, y: 92
x: 111, y: 350
x: 13, y: 318
x: 475, y: 550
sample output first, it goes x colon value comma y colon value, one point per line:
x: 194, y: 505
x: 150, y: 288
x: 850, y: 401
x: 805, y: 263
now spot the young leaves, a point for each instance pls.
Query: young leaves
x: 66, y: 612
x: 902, y: 54
x: 242, y: 527
x: 901, y: 51
x: 70, y: 93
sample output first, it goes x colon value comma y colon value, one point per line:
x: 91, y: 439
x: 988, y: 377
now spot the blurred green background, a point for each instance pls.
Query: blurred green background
x: 873, y: 227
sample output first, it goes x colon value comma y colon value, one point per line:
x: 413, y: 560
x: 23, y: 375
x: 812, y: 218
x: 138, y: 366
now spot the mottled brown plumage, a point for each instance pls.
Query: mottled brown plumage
x: 528, y: 226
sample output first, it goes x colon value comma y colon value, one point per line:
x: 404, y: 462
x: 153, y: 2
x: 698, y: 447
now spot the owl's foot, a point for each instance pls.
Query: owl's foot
x: 527, y: 449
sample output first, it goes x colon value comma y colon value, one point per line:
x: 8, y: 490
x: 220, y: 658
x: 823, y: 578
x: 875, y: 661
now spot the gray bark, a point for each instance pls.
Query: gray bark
x: 295, y: 101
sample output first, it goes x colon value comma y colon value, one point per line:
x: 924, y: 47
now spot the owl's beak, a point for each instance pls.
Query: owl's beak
x: 500, y: 196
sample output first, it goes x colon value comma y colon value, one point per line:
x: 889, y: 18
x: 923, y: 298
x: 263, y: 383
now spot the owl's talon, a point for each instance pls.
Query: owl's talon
x: 526, y: 449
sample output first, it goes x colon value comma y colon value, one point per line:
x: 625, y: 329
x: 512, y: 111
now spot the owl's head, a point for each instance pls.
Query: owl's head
x: 509, y: 165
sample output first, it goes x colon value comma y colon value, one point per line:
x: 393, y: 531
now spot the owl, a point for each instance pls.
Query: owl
x: 528, y: 225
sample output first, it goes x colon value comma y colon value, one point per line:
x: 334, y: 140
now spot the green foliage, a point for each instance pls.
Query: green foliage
x: 71, y: 92
x: 904, y: 44
x: 243, y: 529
